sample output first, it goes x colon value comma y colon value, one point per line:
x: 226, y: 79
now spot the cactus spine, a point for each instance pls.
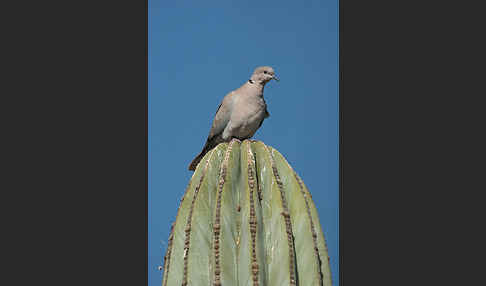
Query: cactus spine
x: 246, y: 218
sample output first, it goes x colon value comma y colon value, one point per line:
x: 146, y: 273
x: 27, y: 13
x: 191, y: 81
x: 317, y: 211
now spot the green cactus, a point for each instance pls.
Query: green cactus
x: 246, y: 218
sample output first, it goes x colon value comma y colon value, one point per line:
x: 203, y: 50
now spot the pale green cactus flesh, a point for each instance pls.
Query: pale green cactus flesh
x: 246, y: 219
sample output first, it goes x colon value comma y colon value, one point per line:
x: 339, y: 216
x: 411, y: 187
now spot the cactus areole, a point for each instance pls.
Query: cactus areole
x: 246, y: 218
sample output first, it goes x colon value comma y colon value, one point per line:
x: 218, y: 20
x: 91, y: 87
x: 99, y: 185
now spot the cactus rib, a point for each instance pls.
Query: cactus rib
x: 189, y: 222
x: 217, y: 220
x: 253, y: 219
x: 286, y: 215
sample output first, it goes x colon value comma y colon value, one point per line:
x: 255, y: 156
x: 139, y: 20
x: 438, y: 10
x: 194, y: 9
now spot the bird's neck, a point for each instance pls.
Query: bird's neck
x: 260, y: 85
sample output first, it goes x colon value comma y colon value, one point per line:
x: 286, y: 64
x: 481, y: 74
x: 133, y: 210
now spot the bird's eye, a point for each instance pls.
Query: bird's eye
x: 264, y: 71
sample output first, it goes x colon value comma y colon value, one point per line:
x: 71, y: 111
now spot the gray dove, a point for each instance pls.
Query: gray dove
x: 240, y: 114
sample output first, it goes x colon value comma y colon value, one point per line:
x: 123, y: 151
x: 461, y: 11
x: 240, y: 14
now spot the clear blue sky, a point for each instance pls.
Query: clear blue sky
x: 198, y: 52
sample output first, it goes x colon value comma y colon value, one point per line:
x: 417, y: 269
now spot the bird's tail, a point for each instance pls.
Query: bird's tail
x: 210, y: 144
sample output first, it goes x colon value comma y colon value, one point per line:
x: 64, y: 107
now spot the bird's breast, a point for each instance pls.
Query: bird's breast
x: 248, y: 108
x: 247, y: 116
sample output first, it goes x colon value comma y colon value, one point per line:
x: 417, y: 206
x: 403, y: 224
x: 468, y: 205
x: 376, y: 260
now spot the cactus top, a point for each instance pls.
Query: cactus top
x: 246, y: 218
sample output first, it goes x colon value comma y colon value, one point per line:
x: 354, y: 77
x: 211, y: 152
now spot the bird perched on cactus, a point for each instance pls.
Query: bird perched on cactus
x: 240, y: 114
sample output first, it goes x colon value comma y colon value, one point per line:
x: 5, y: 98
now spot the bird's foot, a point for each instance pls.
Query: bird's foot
x: 236, y: 139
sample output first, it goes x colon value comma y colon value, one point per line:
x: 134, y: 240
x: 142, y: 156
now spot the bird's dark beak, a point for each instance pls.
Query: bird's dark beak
x: 275, y: 78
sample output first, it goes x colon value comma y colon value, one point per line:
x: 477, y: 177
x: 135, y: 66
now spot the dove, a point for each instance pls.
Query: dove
x: 240, y: 113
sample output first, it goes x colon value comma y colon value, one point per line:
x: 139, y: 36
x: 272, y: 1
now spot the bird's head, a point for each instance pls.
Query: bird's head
x: 263, y: 75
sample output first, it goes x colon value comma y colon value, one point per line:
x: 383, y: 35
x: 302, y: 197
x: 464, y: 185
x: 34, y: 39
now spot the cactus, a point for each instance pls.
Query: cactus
x: 246, y: 218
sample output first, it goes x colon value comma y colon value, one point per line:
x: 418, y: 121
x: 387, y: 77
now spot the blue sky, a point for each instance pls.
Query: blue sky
x: 198, y: 52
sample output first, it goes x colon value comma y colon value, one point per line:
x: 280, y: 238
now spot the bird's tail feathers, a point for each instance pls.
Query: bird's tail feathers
x: 210, y: 144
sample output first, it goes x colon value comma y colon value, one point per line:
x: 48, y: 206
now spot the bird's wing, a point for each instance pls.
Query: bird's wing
x: 222, y: 116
